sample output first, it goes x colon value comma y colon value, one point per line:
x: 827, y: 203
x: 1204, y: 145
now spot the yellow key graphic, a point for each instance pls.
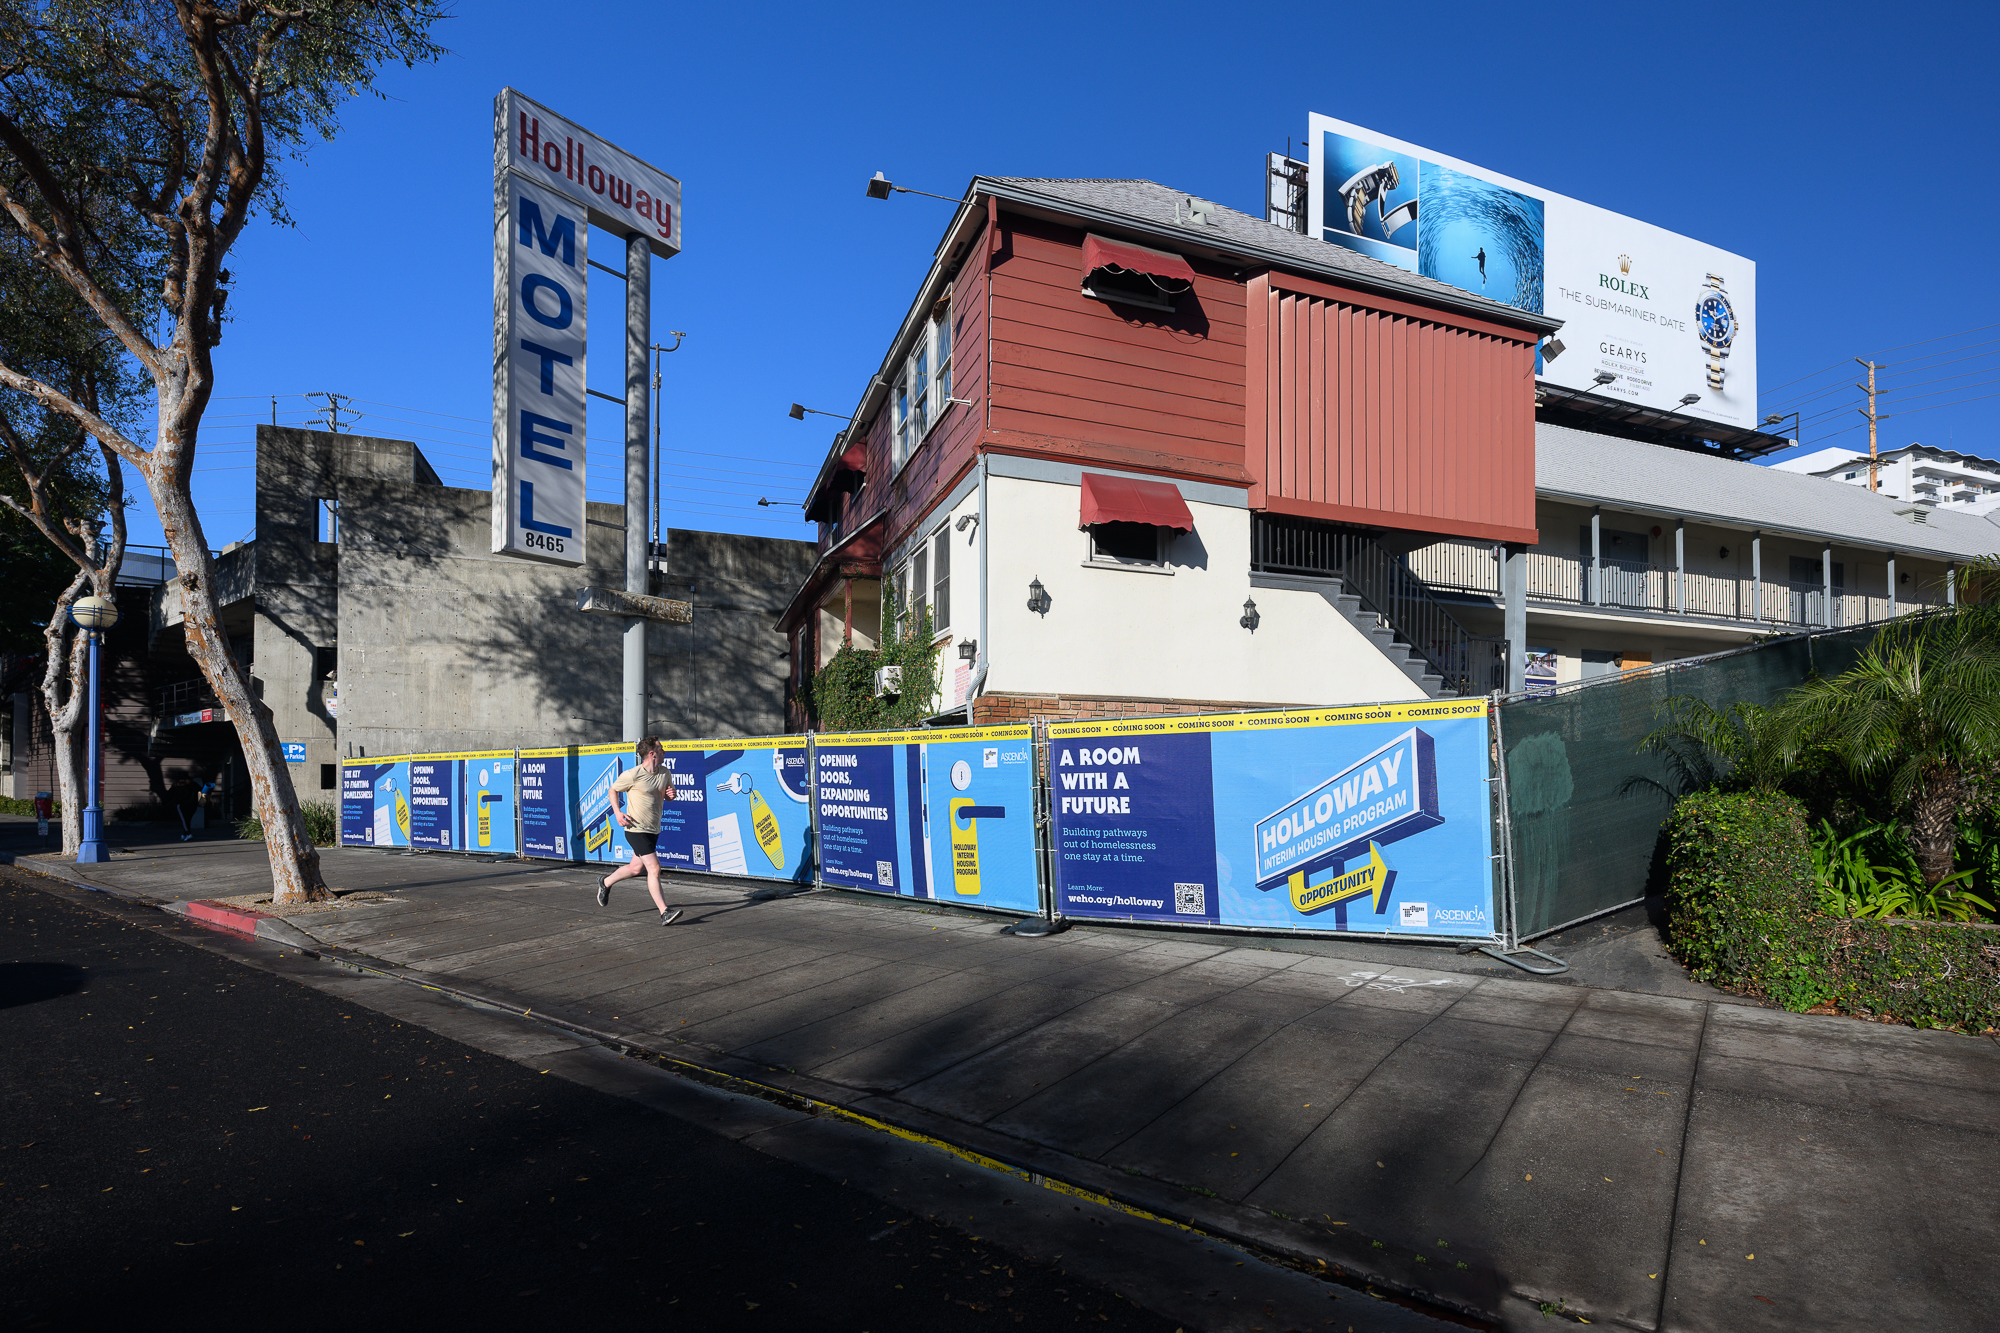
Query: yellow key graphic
x: 766, y: 825
x: 402, y: 811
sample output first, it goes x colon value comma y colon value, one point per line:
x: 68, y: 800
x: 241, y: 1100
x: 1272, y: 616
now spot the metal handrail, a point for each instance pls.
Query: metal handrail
x: 1467, y: 663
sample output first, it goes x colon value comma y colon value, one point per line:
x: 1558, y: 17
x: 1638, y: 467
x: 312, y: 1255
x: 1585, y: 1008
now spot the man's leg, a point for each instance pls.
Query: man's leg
x: 653, y: 881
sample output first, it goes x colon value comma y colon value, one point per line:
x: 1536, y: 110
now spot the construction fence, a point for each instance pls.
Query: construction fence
x: 1394, y: 820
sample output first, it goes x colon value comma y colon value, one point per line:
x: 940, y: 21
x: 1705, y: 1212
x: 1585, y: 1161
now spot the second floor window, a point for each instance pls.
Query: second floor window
x: 923, y: 383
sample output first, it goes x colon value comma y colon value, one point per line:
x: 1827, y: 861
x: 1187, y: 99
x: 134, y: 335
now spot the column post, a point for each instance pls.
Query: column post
x: 638, y: 405
x: 1893, y: 613
x: 1757, y: 576
x: 1680, y: 566
x: 1826, y: 584
x: 1514, y: 578
x: 1596, y: 556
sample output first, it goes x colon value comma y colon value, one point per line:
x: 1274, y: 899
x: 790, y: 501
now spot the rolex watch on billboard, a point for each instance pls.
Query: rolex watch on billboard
x: 1715, y: 322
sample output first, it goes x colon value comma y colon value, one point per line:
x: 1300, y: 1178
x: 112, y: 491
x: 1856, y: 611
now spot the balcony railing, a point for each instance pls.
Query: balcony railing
x: 1638, y: 586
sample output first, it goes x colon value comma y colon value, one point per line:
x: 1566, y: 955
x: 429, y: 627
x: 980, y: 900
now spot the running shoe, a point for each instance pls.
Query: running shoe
x: 604, y: 892
x: 671, y: 915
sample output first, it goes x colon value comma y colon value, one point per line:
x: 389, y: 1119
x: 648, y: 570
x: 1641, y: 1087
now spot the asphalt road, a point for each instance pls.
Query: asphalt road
x: 187, y: 1141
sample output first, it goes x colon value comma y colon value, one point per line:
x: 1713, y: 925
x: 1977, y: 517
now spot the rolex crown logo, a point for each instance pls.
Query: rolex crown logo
x: 1624, y: 263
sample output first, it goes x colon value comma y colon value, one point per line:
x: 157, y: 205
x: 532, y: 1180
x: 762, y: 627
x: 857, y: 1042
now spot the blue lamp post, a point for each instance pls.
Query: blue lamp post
x: 94, y: 615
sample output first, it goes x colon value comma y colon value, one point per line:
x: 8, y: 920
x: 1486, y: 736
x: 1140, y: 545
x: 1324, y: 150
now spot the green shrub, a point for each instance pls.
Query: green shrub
x: 1740, y: 880
x: 1745, y: 911
x: 322, y: 824
x: 1873, y: 873
x: 14, y: 805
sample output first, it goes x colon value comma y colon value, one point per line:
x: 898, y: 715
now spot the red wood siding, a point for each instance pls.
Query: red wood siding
x: 1077, y: 378
x: 1378, y: 412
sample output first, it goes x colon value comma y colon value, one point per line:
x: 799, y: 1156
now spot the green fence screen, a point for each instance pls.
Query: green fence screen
x: 1585, y: 807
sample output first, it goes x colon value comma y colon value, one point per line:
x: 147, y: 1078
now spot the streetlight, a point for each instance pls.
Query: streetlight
x: 880, y: 187
x: 93, y: 615
x: 799, y: 410
x: 1797, y: 428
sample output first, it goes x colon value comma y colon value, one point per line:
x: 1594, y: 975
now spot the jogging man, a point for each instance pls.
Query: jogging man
x: 645, y: 789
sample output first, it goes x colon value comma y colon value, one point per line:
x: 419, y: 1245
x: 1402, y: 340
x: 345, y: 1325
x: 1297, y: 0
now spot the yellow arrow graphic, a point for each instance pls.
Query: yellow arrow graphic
x: 1360, y: 882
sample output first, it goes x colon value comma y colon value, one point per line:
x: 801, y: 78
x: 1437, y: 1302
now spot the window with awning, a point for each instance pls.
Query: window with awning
x: 1122, y: 273
x: 1130, y: 521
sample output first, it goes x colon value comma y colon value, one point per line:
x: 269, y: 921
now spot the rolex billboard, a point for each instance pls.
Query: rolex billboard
x: 1665, y: 316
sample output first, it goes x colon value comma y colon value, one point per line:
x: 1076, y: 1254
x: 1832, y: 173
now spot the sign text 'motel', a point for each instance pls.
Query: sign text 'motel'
x: 551, y: 183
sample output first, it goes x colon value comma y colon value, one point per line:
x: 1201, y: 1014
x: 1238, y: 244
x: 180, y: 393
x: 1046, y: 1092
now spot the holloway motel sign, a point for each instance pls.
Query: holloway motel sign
x: 552, y: 182
x: 1379, y: 798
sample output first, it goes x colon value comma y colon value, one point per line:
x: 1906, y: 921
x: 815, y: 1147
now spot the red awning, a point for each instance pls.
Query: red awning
x: 1128, y: 500
x: 1101, y: 253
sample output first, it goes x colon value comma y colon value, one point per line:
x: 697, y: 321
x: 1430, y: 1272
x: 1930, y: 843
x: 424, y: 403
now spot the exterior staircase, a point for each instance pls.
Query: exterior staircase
x: 1386, y: 602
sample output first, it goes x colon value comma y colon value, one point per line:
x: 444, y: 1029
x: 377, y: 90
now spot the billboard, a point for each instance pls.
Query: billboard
x: 1665, y: 315
x: 1373, y: 820
x: 947, y: 815
x: 552, y: 182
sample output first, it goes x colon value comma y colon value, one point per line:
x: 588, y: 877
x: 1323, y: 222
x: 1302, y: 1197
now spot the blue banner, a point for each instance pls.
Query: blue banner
x: 945, y: 815
x: 1373, y: 820
x: 357, y: 801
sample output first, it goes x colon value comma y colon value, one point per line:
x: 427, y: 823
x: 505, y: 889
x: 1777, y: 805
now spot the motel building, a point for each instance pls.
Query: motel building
x: 1142, y: 454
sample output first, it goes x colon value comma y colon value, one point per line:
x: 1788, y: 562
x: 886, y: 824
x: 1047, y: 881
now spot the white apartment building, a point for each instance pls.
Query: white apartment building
x: 1917, y: 473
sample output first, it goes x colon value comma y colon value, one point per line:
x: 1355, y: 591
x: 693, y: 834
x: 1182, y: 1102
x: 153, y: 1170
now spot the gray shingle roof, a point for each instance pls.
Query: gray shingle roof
x: 1601, y: 469
x: 1149, y: 206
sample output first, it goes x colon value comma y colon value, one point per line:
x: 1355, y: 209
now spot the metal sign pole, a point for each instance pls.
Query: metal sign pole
x: 812, y: 805
x: 638, y: 411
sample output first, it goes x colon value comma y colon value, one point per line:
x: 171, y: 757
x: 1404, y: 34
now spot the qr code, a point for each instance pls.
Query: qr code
x: 885, y: 874
x: 700, y: 854
x: 1191, y: 899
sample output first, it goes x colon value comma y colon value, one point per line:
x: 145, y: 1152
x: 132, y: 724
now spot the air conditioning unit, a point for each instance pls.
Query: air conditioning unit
x: 888, y: 682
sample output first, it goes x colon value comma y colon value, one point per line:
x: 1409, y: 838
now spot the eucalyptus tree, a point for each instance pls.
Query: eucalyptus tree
x: 137, y: 139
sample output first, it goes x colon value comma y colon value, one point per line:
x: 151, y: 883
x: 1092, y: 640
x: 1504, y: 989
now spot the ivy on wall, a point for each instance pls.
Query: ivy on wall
x: 843, y: 691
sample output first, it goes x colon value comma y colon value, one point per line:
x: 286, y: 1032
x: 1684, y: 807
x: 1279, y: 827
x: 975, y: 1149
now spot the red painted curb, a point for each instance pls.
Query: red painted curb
x: 238, y: 919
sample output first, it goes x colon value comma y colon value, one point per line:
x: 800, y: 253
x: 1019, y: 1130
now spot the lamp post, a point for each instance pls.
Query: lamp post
x: 93, y: 615
x: 1776, y: 417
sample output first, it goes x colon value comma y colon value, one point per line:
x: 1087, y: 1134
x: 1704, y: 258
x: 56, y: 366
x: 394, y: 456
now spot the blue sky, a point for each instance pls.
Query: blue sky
x: 1844, y: 149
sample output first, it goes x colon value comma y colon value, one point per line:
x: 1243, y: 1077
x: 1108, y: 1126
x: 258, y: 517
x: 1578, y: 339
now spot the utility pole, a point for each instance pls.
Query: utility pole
x: 330, y: 413
x: 1874, y: 484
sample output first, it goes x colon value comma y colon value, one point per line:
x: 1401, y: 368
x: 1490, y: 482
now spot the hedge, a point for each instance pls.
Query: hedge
x: 1743, y: 913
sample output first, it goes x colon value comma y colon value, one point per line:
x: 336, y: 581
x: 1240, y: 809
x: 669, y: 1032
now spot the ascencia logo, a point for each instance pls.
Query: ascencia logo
x: 1461, y: 916
x: 1623, y: 286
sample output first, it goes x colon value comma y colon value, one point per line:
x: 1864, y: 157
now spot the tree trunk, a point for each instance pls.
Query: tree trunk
x: 295, y: 874
x: 1933, y: 823
x: 68, y: 655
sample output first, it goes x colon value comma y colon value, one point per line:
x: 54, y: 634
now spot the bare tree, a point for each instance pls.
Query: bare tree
x: 55, y: 488
x: 136, y: 139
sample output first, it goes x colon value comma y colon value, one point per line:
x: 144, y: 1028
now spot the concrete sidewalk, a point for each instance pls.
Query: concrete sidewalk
x: 1495, y: 1142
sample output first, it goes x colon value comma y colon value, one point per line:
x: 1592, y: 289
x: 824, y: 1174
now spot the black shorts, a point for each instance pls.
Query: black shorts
x: 642, y: 843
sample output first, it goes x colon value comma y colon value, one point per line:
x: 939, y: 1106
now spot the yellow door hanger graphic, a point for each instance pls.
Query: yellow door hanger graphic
x: 763, y: 822
x: 402, y: 811
x: 965, y: 817
x: 1370, y: 879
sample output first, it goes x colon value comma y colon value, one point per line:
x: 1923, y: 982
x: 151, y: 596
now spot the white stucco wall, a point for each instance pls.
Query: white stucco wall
x: 1130, y: 633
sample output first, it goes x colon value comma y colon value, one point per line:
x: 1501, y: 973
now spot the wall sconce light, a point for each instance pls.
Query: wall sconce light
x: 1724, y: 555
x: 1248, y: 620
x: 1904, y: 579
x: 968, y: 651
x: 1038, y: 598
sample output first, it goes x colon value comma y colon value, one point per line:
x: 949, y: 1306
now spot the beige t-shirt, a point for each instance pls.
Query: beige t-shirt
x: 644, y: 794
